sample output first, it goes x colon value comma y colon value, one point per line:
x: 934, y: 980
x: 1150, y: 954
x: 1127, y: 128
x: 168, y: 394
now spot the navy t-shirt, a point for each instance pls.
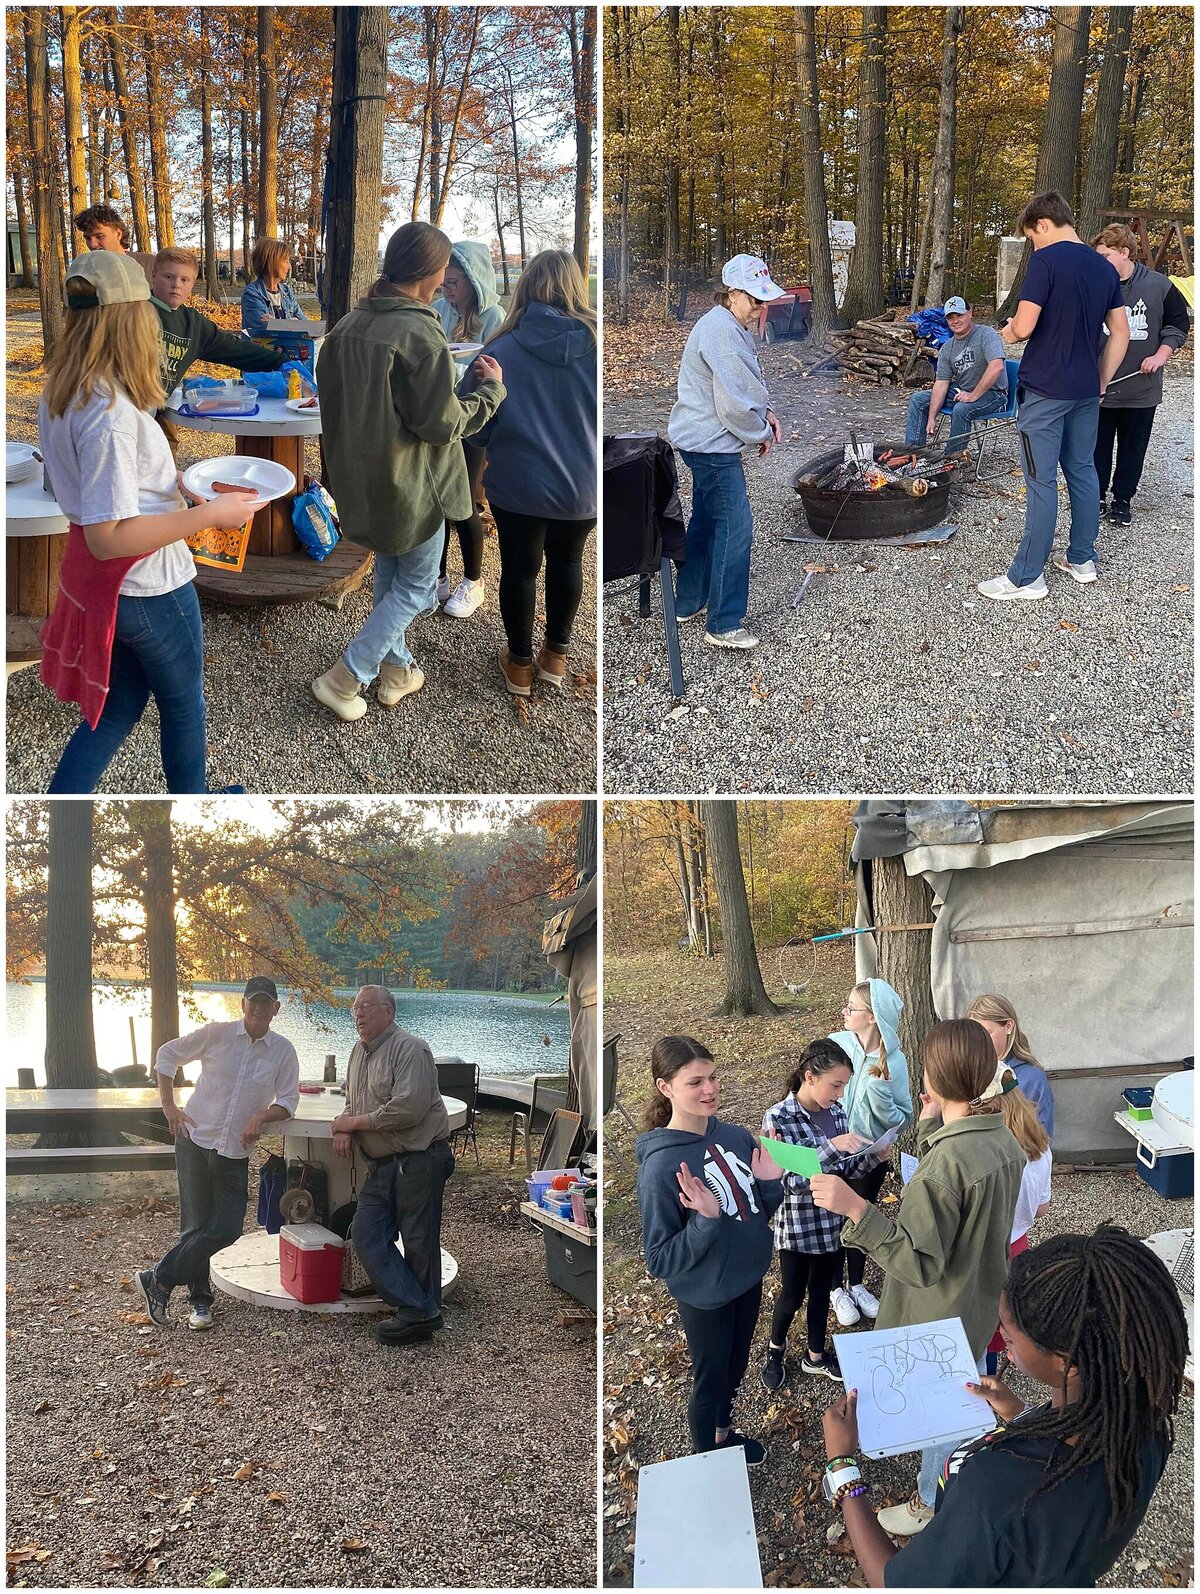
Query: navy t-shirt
x: 1076, y: 289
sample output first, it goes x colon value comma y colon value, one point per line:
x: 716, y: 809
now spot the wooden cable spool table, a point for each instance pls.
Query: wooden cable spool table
x: 36, y: 529
x: 277, y: 570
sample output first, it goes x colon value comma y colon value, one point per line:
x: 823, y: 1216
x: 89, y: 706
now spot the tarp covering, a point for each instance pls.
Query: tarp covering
x: 569, y: 941
x: 1081, y: 914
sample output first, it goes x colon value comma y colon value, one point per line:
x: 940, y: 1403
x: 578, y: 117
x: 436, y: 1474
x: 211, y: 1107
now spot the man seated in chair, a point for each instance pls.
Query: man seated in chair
x: 970, y: 376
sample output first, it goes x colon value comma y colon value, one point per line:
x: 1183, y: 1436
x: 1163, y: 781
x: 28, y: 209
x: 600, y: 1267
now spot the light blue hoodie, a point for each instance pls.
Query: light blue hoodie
x: 475, y: 262
x: 875, y: 1105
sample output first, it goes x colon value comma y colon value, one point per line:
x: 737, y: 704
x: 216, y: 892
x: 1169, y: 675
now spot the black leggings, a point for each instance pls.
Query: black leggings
x: 470, y: 531
x: 1130, y: 430
x: 524, y: 539
x: 800, y: 1271
x: 719, y: 1343
x: 867, y: 1185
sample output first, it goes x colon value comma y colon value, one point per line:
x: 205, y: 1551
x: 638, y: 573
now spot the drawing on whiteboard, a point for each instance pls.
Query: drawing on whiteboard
x: 911, y: 1383
x: 892, y: 1366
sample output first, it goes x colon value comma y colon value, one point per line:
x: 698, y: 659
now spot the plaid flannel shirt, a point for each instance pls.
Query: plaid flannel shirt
x: 800, y: 1225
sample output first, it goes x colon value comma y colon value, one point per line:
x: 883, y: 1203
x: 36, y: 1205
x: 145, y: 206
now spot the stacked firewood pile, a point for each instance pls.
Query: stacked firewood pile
x: 886, y: 349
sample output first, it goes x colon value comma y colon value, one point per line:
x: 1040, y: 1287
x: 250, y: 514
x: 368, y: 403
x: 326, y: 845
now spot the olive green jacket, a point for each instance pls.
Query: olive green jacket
x: 945, y: 1253
x: 392, y: 424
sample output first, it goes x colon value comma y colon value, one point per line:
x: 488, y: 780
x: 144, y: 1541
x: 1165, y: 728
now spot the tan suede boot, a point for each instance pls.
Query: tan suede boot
x: 550, y: 666
x: 337, y: 689
x: 518, y: 678
x: 397, y: 681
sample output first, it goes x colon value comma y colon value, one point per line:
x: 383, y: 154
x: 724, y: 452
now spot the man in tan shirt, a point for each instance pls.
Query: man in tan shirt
x: 395, y: 1113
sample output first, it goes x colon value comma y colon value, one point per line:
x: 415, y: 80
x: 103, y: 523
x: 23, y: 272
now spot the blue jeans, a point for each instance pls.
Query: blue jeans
x: 402, y: 587
x: 212, y: 1209
x: 961, y: 415
x: 719, y: 534
x: 158, y: 649
x: 935, y: 1457
x: 1057, y: 432
x: 403, y: 1196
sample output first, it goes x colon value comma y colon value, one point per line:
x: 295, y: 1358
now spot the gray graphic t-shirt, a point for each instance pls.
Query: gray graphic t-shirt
x: 963, y: 361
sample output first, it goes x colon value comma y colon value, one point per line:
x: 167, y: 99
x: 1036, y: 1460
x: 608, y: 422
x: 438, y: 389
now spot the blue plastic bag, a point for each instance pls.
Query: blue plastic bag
x: 314, y: 519
x: 274, y: 384
x: 932, y: 327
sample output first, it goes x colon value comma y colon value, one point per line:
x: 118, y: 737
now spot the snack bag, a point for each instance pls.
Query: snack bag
x: 314, y: 519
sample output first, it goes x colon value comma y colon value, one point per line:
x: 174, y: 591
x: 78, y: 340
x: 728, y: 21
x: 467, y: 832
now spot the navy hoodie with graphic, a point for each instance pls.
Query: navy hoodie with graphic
x: 705, y: 1262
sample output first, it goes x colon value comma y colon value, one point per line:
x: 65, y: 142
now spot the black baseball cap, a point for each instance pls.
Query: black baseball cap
x: 260, y: 985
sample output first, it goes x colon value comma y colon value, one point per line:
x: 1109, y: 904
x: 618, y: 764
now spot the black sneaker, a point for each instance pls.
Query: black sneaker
x: 755, y: 1454
x: 157, y: 1300
x: 1121, y: 514
x: 405, y: 1331
x: 827, y: 1367
x: 772, y: 1369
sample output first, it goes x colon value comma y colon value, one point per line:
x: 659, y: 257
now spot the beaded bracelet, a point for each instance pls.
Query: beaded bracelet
x: 841, y: 1461
x: 849, y: 1491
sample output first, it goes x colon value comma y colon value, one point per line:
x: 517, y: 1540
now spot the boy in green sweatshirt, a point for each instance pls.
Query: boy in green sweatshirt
x: 188, y: 335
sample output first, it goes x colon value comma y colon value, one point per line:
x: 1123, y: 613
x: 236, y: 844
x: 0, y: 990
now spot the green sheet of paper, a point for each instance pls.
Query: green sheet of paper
x: 796, y: 1159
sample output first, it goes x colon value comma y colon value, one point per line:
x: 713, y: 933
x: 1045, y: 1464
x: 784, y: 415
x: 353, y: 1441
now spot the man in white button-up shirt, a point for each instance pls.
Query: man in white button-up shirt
x: 249, y: 1077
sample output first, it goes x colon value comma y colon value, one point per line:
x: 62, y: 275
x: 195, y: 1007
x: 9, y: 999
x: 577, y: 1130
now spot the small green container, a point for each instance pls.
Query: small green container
x: 1139, y: 1100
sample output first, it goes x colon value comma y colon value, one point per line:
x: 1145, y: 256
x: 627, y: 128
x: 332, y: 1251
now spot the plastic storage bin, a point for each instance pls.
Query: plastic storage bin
x: 1171, y: 1173
x: 310, y: 1262
x: 1139, y: 1102
x: 538, y: 1183
x: 572, y: 1266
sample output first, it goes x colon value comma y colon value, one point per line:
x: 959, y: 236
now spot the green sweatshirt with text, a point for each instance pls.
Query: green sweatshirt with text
x: 188, y: 336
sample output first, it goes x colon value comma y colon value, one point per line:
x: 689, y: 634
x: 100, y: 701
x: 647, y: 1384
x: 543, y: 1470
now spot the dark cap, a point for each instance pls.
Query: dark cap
x: 260, y: 986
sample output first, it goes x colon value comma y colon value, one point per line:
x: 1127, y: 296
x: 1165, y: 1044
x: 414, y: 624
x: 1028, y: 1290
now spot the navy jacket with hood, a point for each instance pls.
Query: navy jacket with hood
x: 705, y: 1262
x: 541, y: 443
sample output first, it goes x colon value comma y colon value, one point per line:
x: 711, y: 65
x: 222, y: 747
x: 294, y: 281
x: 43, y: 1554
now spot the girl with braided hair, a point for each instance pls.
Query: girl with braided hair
x: 1051, y: 1497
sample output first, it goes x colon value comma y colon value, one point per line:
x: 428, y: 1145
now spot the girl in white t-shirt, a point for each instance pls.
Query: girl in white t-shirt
x: 1033, y: 1198
x: 126, y: 621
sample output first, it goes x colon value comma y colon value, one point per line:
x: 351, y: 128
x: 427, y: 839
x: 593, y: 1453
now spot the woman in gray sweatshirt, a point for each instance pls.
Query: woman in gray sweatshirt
x: 723, y: 407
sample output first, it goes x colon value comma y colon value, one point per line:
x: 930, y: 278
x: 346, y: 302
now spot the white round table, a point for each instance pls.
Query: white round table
x: 36, y: 531
x: 313, y: 1121
x: 249, y: 1271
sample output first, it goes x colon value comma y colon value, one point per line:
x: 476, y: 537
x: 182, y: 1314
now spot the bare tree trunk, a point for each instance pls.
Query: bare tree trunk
x: 671, y: 167
x: 745, y: 993
x: 70, y: 1038
x: 1110, y: 95
x: 500, y: 235
x: 138, y: 213
x: 355, y: 154
x: 450, y: 163
x: 72, y: 80
x: 160, y: 171
x: 91, y: 86
x: 26, y: 278
x: 108, y: 186
x: 583, y: 72
x: 208, y: 217
x: 432, y: 16
x: 897, y: 898
x: 621, y: 21
x: 159, y: 906
x: 720, y: 201
x: 267, y: 218
x: 943, y: 154
x: 516, y: 154
x: 864, y: 289
x: 1137, y: 89
x: 43, y: 180
x: 816, y: 208
x: 319, y: 151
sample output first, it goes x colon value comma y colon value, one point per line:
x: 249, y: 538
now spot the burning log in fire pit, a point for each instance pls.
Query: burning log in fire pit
x: 904, y: 490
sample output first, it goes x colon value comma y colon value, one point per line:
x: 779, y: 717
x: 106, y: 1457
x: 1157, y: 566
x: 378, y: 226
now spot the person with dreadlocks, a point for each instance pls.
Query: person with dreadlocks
x: 1053, y: 1495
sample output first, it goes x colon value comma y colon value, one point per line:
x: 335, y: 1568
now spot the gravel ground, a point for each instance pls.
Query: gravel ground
x: 286, y: 1449
x: 646, y: 1373
x: 437, y: 741
x: 893, y: 674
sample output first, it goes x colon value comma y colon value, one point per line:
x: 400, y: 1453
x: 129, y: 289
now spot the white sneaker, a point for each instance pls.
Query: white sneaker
x: 867, y: 1303
x: 200, y: 1317
x: 741, y: 638
x: 468, y: 595
x: 844, y: 1309
x: 1001, y: 587
x: 1083, y: 573
x: 443, y: 588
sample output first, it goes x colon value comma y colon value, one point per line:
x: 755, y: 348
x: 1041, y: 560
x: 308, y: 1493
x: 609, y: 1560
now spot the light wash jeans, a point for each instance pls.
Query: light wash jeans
x: 934, y: 1459
x: 1057, y: 432
x: 403, y: 586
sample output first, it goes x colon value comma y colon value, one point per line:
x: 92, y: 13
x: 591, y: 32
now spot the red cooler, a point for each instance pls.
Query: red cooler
x: 310, y: 1262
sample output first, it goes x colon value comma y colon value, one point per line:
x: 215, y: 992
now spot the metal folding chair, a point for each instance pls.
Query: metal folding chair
x: 462, y: 1080
x: 610, y: 1101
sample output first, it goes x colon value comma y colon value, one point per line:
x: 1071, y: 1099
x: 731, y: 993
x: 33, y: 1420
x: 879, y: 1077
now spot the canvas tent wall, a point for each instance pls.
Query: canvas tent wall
x: 1081, y: 913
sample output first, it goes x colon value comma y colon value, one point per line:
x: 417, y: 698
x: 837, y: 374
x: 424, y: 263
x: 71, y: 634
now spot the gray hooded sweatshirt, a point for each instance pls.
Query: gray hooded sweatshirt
x: 1158, y: 313
x: 723, y: 400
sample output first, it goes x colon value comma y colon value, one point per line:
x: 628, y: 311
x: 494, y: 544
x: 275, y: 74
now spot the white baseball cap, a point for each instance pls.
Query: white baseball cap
x: 955, y: 306
x: 750, y: 274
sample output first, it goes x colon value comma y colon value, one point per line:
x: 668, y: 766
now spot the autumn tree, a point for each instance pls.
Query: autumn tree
x: 864, y: 289
x: 816, y: 209
x: 745, y: 993
x: 1106, y: 124
x: 70, y: 1039
x: 266, y: 216
x: 43, y: 178
x: 355, y: 155
x: 898, y: 898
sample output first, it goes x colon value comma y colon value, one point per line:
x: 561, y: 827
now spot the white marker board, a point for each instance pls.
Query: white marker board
x: 695, y: 1524
x: 910, y: 1384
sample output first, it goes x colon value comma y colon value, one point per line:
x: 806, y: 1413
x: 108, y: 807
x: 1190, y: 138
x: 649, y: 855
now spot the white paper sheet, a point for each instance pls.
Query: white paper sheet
x: 910, y: 1384
x: 886, y: 1139
x: 908, y: 1166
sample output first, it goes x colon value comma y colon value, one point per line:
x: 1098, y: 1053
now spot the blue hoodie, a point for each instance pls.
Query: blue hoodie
x: 876, y: 1105
x: 705, y: 1262
x: 475, y: 262
x: 541, y: 442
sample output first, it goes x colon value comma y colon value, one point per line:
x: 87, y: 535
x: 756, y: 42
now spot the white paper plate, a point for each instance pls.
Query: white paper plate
x: 303, y: 407
x: 463, y: 351
x: 262, y: 477
x: 20, y: 462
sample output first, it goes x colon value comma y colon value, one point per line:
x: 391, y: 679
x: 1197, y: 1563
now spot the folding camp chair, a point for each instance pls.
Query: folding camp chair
x: 462, y: 1080
x: 983, y: 431
x: 643, y: 528
x: 522, y: 1121
x: 611, y: 1102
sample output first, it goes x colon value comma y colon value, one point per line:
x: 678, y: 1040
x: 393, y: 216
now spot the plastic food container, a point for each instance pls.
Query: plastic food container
x: 1139, y: 1102
x: 310, y: 1262
x: 539, y: 1183
x: 231, y: 398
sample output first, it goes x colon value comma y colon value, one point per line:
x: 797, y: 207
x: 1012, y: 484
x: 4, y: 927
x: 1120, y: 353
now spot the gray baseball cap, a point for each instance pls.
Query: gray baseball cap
x: 955, y: 306
x: 115, y: 279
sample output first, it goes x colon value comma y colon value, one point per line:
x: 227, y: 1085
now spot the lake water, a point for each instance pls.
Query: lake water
x: 505, y: 1035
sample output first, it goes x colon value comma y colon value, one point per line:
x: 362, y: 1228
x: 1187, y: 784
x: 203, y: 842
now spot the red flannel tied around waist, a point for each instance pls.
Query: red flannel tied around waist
x: 77, y: 638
